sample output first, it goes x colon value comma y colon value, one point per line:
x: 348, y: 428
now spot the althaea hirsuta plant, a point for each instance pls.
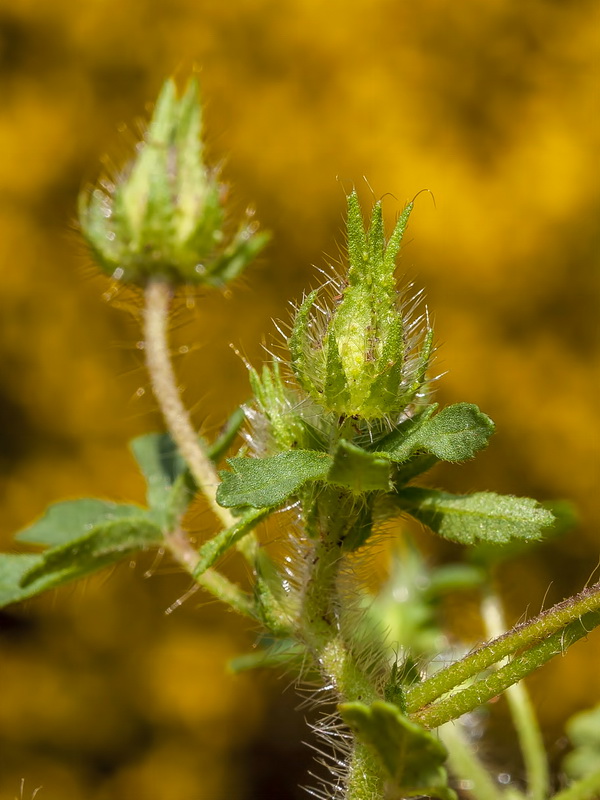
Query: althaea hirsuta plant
x: 338, y: 435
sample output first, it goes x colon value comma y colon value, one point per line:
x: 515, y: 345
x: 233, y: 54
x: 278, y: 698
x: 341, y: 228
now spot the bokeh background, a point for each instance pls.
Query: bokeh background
x: 493, y: 107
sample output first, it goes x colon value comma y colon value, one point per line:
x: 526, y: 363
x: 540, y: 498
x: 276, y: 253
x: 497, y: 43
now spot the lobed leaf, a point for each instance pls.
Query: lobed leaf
x: 411, y: 757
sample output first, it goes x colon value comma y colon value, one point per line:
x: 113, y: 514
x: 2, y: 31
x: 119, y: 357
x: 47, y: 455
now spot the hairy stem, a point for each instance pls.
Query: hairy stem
x: 522, y: 712
x: 521, y: 636
x: 487, y: 688
x: 214, y: 582
x: 158, y: 296
x: 319, y: 629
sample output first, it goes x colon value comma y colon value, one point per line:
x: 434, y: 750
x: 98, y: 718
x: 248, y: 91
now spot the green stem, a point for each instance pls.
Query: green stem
x: 158, y: 296
x: 587, y: 788
x: 521, y: 636
x: 465, y: 765
x: 487, y: 688
x: 214, y: 582
x: 319, y: 629
x: 522, y: 712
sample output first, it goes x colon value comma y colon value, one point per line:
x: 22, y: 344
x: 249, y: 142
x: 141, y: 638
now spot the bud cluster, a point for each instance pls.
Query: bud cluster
x: 164, y: 216
x: 364, y: 357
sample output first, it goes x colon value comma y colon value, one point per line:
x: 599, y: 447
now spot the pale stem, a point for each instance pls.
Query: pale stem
x: 214, y: 582
x: 158, y: 296
x: 522, y: 711
x: 465, y: 765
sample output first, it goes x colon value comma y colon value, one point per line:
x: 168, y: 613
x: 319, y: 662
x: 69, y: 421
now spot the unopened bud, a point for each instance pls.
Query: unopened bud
x: 362, y: 357
x: 164, y: 216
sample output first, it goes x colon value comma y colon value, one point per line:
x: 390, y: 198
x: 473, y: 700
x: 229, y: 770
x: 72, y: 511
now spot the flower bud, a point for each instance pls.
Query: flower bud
x: 363, y: 357
x: 164, y: 216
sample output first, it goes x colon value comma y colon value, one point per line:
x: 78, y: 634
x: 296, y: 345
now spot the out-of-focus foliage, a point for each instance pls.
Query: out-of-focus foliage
x: 490, y: 106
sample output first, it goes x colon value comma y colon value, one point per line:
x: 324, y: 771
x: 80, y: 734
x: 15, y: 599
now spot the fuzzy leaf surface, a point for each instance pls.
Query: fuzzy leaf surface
x: 455, y: 434
x: 73, y: 519
x: 479, y: 517
x: 105, y: 544
x: 268, y: 482
x: 411, y: 756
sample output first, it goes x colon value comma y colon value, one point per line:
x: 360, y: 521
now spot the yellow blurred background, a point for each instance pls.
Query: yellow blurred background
x: 493, y: 107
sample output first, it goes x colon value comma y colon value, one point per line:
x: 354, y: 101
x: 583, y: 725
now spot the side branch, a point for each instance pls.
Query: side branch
x: 487, y: 688
x: 520, y: 637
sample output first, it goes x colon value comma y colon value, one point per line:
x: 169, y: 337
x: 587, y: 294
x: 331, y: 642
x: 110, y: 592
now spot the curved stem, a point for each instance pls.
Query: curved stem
x: 522, y: 712
x: 158, y: 296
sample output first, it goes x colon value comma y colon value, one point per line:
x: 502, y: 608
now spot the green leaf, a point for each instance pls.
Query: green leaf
x: 479, y: 517
x: 105, y: 544
x: 170, y: 485
x: 268, y: 482
x: 358, y: 470
x: 279, y: 653
x: 227, y: 434
x: 411, y: 756
x: 454, y: 578
x: 214, y: 548
x: 376, y: 238
x: 489, y: 554
x: 299, y: 344
x: 455, y: 434
x: 584, y: 732
x: 72, y: 519
x: 357, y: 240
x: 12, y: 569
x: 395, y: 240
x: 25, y: 575
x: 161, y: 465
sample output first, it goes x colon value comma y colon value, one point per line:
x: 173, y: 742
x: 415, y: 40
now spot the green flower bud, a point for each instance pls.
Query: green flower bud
x: 363, y: 357
x: 164, y: 216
